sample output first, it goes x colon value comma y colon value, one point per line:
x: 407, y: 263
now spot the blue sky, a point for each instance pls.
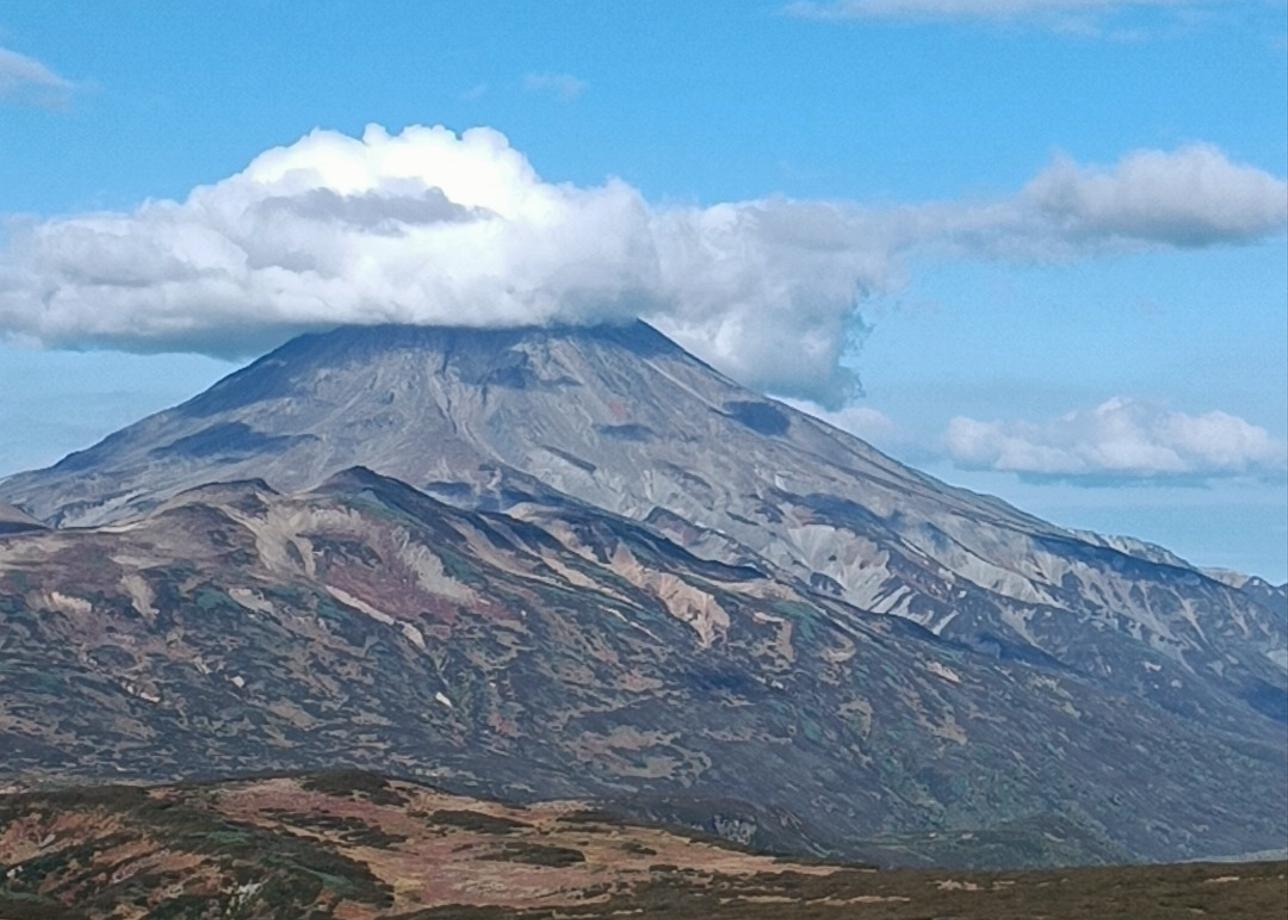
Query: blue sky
x: 1026, y: 332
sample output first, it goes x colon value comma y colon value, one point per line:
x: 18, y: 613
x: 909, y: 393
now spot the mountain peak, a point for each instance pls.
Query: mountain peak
x: 356, y: 342
x: 478, y: 355
x: 436, y: 404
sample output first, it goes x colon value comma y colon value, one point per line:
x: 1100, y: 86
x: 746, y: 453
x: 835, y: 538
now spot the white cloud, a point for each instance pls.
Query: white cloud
x: 562, y: 86
x: 26, y: 81
x: 1122, y: 438
x: 1190, y: 197
x: 430, y: 227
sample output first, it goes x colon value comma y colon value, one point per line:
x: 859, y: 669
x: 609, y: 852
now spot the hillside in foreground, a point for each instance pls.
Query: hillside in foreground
x: 355, y: 845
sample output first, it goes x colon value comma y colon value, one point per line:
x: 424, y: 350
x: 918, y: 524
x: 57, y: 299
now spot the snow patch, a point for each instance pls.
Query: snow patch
x: 360, y: 605
x: 58, y: 602
x: 942, y: 670
x: 250, y: 599
x: 141, y: 596
x: 414, y: 635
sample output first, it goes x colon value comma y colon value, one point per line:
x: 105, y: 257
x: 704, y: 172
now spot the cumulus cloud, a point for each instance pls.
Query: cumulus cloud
x: 1190, y: 197
x: 1120, y: 439
x: 26, y: 81
x: 563, y: 86
x: 431, y: 227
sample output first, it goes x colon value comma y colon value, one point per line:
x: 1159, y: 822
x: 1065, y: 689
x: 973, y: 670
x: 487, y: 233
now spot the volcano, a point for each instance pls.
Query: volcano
x: 570, y: 561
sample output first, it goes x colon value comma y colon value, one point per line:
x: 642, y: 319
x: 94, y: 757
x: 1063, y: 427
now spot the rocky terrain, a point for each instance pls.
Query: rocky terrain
x: 578, y: 563
x: 14, y: 520
x: 358, y: 846
x: 567, y: 652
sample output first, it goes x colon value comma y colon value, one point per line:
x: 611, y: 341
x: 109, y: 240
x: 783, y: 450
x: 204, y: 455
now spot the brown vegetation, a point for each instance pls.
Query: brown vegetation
x: 354, y: 845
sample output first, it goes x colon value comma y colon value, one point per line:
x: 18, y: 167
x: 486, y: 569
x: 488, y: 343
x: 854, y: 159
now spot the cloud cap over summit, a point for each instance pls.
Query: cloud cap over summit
x: 430, y: 227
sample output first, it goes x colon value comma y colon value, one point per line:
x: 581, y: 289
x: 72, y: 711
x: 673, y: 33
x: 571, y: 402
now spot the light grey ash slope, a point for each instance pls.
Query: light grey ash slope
x: 15, y: 520
x: 423, y: 400
x: 623, y: 419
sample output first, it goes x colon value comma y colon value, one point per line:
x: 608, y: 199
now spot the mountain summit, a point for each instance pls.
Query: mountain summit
x: 618, y: 413
x: 440, y: 482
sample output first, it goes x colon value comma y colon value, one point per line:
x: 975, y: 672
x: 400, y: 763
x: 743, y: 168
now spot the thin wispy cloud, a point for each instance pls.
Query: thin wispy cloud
x: 561, y: 86
x: 431, y: 227
x: 26, y: 81
x: 1122, y: 440
x: 1114, y: 20
x: 968, y: 9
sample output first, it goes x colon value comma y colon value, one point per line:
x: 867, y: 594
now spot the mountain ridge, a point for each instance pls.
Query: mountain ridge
x: 236, y: 630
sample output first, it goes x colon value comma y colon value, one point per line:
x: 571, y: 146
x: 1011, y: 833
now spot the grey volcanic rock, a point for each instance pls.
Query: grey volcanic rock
x: 613, y: 415
x: 622, y: 419
x: 15, y: 520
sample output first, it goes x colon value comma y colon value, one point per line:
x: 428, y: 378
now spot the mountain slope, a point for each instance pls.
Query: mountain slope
x: 576, y: 653
x: 622, y: 419
x: 15, y: 520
